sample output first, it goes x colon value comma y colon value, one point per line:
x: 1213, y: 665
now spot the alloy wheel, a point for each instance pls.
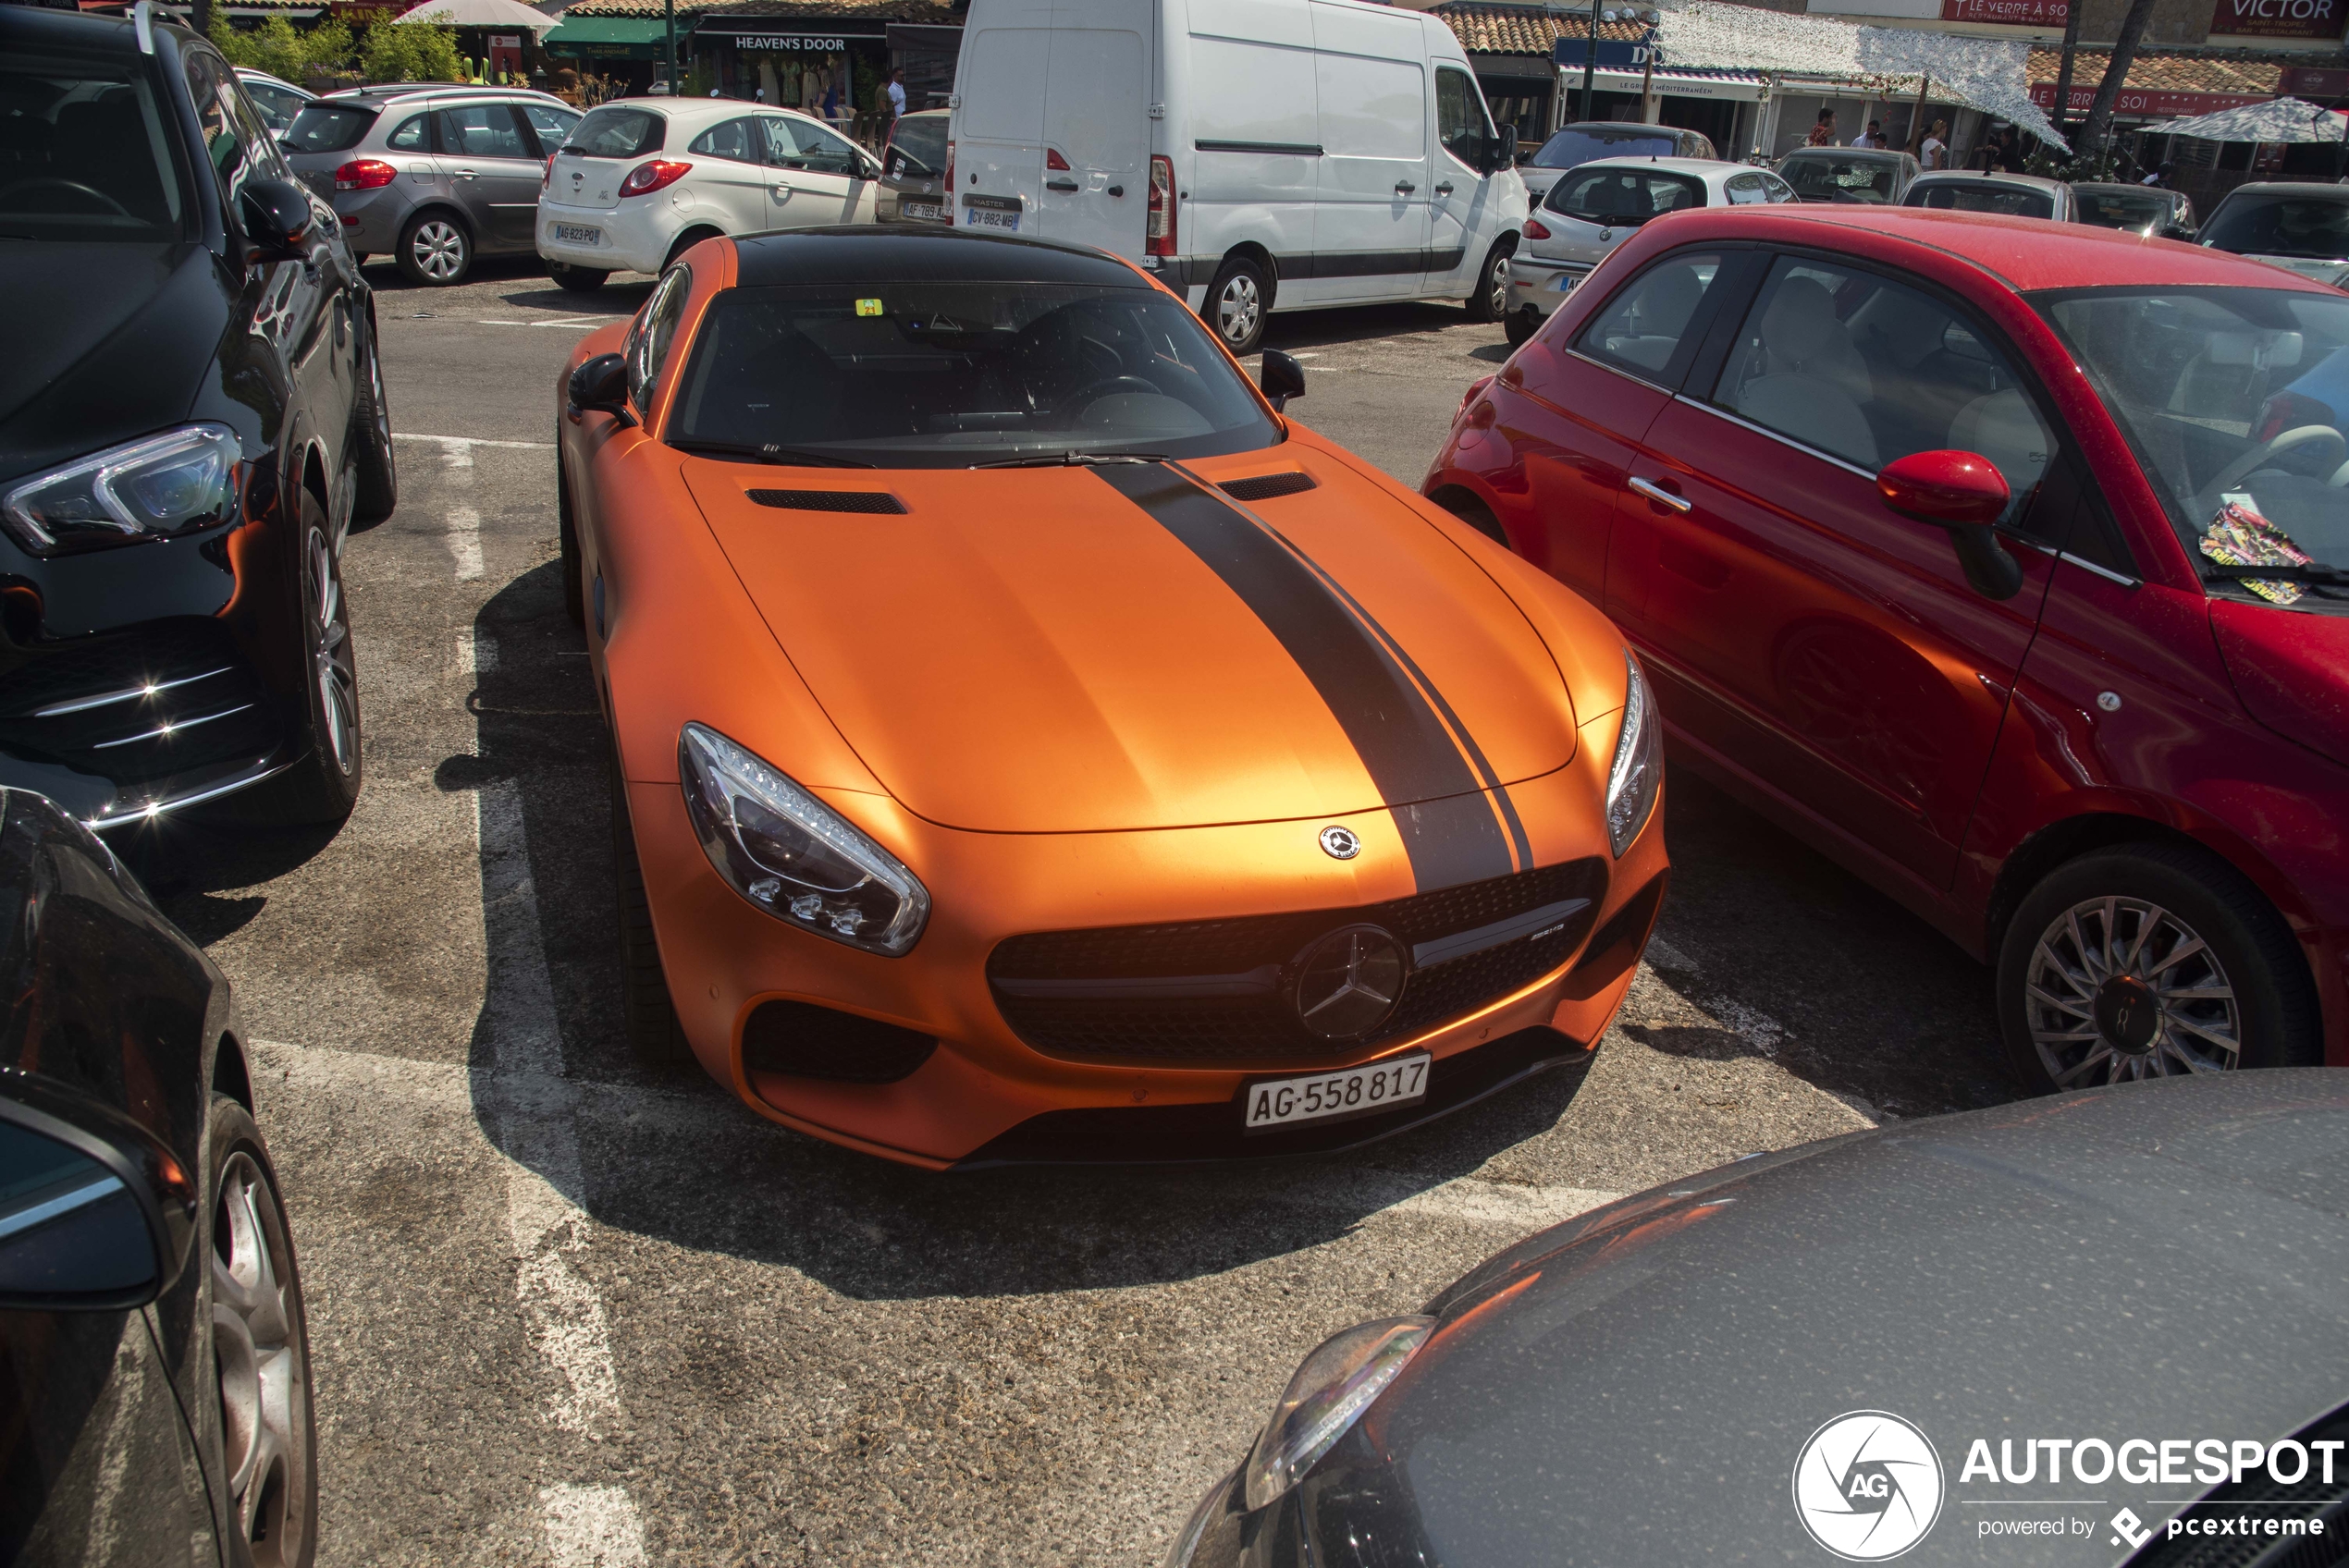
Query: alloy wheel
x: 1496, y: 288
x: 334, y: 671
x: 2121, y: 989
x: 264, y: 1397
x: 1238, y: 308
x: 438, y: 247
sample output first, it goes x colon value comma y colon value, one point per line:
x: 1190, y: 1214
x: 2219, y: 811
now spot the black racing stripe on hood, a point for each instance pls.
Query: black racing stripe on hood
x: 1435, y: 797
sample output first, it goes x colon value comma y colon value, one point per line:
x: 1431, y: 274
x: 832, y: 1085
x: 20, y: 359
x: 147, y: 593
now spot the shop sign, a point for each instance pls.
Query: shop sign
x: 2131, y: 102
x: 808, y: 41
x: 357, y: 14
x: 2279, y: 18
x: 2014, y: 13
x: 2319, y: 84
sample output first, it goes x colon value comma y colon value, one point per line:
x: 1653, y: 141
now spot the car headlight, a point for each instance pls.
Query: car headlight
x: 1332, y: 1389
x: 148, y: 489
x: 1638, y: 768
x: 791, y: 855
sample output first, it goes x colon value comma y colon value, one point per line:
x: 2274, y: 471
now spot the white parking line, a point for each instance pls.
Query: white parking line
x: 592, y: 1527
x: 476, y: 655
x: 472, y: 441
x: 464, y: 542
x: 573, y: 322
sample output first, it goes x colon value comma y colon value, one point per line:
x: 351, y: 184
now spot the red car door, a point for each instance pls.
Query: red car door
x: 1570, y: 417
x: 1802, y: 633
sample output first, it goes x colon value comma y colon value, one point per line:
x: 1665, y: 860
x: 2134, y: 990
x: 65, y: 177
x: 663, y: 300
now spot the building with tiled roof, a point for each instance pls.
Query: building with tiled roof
x: 2163, y: 84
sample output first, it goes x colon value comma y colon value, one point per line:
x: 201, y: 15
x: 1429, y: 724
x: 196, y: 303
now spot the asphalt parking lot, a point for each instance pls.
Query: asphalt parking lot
x: 564, y: 1311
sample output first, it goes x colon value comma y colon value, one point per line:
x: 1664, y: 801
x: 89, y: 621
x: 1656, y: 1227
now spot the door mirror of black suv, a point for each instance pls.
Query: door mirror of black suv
x: 277, y: 216
x: 1280, y: 379
x: 601, y: 384
x: 88, y: 1222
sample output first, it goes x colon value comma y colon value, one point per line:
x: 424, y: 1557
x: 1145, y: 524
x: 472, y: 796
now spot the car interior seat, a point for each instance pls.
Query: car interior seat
x: 1807, y: 370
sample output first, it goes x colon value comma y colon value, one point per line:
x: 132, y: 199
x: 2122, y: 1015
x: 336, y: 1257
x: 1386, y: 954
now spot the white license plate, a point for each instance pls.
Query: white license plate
x: 1348, y: 1093
x: 932, y: 210
x: 988, y: 217
x: 577, y: 234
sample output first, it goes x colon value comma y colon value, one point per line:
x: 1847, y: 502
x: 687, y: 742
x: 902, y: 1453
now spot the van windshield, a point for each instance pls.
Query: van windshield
x: 938, y: 375
x: 2236, y: 401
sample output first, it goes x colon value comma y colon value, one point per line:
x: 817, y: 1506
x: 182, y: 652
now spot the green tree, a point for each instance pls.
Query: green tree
x: 409, y: 51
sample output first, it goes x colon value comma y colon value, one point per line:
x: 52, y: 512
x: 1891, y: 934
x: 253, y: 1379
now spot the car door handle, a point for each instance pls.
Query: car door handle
x: 1117, y: 190
x: 1060, y: 185
x: 1445, y: 188
x: 1404, y: 188
x: 1662, y: 497
x: 466, y: 173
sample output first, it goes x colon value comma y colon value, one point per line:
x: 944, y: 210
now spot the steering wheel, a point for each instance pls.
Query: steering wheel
x: 2250, y: 461
x: 73, y: 185
x: 1129, y: 384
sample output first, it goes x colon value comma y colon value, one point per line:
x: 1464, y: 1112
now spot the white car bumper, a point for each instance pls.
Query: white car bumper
x: 631, y: 238
x: 1541, y: 286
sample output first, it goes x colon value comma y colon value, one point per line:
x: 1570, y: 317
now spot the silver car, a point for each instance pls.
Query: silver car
x: 279, y: 101
x: 1597, y: 206
x: 434, y: 177
x: 2012, y: 195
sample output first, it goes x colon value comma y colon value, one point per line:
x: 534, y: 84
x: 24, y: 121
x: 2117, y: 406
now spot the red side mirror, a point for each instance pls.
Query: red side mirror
x: 1954, y: 489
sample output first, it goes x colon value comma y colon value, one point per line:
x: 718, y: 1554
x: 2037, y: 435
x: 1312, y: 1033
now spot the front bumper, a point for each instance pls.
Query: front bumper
x: 1542, y: 286
x: 987, y: 1095
x: 627, y: 238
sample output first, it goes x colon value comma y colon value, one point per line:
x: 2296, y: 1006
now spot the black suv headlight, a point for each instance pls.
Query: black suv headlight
x: 147, y: 489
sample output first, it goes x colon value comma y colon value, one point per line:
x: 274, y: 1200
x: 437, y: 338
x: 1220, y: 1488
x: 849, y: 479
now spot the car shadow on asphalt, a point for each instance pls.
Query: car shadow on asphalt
x: 673, y: 1156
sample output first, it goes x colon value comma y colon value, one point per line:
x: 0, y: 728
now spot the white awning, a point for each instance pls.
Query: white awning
x: 504, y: 15
x: 2281, y: 120
x: 1733, y: 86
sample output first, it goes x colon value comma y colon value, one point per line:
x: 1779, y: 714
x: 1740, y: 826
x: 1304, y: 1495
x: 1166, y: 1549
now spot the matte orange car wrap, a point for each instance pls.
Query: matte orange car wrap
x: 1070, y: 699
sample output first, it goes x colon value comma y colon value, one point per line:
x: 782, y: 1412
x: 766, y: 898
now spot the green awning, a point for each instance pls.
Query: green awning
x: 610, y: 38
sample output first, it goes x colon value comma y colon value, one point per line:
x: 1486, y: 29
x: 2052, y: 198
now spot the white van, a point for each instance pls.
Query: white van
x: 1258, y: 154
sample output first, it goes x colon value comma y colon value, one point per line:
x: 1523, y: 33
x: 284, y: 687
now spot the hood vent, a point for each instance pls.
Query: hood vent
x: 1264, y: 486
x: 830, y: 501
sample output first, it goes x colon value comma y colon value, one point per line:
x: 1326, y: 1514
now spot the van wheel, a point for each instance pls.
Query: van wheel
x: 579, y: 280
x: 2151, y: 961
x: 1236, y: 304
x: 1491, y: 301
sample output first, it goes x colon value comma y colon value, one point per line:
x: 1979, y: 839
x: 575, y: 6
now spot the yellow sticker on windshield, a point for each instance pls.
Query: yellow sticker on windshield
x: 868, y: 307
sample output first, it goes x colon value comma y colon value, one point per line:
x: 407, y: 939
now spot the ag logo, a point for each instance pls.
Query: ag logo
x: 1867, y: 1485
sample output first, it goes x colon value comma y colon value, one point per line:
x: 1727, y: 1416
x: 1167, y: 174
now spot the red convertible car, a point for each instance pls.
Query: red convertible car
x: 2007, y: 563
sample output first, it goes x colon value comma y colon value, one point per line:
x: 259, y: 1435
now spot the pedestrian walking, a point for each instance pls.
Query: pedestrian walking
x: 1934, y: 153
x: 896, y: 90
x: 1823, y: 133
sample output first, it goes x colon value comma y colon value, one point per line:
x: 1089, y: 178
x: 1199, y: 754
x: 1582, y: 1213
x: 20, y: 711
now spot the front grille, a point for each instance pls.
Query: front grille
x: 1239, y: 971
x: 174, y: 698
x: 830, y: 501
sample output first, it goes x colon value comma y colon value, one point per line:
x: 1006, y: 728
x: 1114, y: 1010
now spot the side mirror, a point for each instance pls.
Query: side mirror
x: 1503, y: 152
x: 1964, y: 493
x: 1280, y: 379
x: 277, y: 216
x: 88, y: 1222
x: 601, y: 384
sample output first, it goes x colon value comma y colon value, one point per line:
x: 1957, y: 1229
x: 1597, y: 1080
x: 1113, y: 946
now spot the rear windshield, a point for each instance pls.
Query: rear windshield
x: 2015, y: 201
x: 1828, y: 177
x: 1623, y: 197
x: 2121, y: 209
x: 85, y: 151
x: 1571, y: 148
x: 2315, y: 228
x: 327, y: 128
x: 954, y: 374
x: 614, y: 133
x: 919, y: 144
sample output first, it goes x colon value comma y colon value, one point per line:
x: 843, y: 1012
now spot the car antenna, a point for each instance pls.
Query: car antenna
x: 144, y: 15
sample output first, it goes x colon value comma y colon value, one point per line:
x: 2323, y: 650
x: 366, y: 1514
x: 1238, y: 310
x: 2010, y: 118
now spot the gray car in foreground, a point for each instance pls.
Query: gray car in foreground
x: 2097, y: 1328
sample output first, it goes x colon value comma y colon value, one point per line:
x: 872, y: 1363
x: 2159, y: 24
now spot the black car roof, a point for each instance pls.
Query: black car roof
x: 74, y: 29
x: 864, y: 252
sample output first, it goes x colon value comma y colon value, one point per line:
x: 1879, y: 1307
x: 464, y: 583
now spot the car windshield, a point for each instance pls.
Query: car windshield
x: 85, y: 151
x: 327, y: 128
x: 1571, y: 148
x: 951, y: 374
x: 2236, y: 401
x: 2122, y: 209
x: 1623, y: 197
x: 614, y: 133
x: 2013, y: 200
x: 2313, y: 227
x: 917, y: 147
x: 1832, y: 177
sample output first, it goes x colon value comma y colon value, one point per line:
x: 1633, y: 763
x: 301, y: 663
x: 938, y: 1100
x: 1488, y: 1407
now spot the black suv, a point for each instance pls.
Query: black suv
x: 192, y: 418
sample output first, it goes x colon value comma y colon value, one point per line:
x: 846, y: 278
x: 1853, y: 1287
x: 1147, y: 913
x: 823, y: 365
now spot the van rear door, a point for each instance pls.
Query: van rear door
x: 1054, y: 116
x: 1371, y: 225
x: 998, y: 123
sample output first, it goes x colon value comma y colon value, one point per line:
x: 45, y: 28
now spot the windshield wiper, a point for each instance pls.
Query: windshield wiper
x: 2331, y: 575
x: 1076, y: 459
x: 785, y: 457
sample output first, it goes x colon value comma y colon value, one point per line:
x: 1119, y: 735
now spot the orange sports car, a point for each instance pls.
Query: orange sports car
x: 1030, y: 745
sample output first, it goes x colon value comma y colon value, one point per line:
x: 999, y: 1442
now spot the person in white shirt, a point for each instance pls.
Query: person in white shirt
x: 1936, y: 151
x: 896, y: 92
x: 1872, y: 137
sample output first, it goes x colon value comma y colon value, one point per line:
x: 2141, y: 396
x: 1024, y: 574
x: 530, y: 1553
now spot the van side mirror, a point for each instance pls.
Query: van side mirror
x: 1280, y: 379
x: 601, y: 386
x: 1964, y: 493
x: 277, y: 217
x: 90, y: 1221
x: 1501, y: 153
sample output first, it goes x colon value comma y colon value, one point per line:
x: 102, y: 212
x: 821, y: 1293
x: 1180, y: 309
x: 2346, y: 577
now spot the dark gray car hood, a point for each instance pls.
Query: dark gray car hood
x: 2159, y: 1261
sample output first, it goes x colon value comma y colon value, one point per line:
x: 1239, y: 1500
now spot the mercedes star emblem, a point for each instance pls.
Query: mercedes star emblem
x: 1339, y: 843
x: 1348, y: 981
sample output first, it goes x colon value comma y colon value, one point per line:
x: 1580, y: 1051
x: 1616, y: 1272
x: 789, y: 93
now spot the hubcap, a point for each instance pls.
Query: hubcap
x: 256, y: 1336
x: 330, y: 641
x: 1237, y: 309
x: 1496, y: 288
x: 383, y: 403
x: 439, y: 250
x: 2121, y: 989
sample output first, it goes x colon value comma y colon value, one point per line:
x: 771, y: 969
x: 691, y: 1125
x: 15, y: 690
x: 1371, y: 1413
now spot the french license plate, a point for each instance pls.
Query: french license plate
x: 928, y: 210
x: 578, y: 234
x: 988, y: 217
x: 1351, y: 1092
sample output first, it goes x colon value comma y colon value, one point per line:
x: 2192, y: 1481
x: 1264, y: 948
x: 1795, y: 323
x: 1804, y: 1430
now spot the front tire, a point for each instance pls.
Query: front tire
x: 648, y: 1018
x: 567, y: 541
x: 579, y: 280
x: 435, y: 250
x: 1237, y: 304
x: 1491, y: 300
x: 265, y: 1429
x: 378, y: 491
x: 323, y: 785
x: 1520, y: 326
x: 2151, y: 961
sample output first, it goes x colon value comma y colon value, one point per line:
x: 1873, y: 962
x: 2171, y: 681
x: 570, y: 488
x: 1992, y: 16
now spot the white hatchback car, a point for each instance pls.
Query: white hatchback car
x: 1595, y: 206
x: 638, y: 182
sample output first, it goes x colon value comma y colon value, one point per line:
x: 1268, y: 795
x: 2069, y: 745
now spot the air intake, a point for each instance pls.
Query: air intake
x: 830, y: 501
x: 807, y: 1041
x: 1264, y: 486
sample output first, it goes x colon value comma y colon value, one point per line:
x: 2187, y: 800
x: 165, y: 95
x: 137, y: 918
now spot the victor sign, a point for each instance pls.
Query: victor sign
x: 2279, y: 18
